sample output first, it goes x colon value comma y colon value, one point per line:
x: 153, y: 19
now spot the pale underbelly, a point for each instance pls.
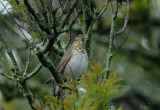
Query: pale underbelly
x: 77, y: 65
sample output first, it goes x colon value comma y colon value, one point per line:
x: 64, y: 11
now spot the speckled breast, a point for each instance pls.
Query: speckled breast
x: 77, y: 65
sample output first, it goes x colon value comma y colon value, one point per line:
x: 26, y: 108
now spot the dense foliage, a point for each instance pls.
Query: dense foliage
x: 90, y: 94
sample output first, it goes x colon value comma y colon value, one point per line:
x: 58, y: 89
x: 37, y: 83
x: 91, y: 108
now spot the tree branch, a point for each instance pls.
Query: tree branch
x: 27, y: 94
x: 27, y: 63
x: 113, y: 34
x: 87, y: 13
x: 55, y: 50
x: 122, y: 42
x: 17, y: 23
x: 8, y: 77
x: 103, y: 10
x: 71, y: 23
x: 9, y: 51
x: 66, y: 18
x: 48, y: 64
x: 65, y: 5
x: 126, y: 20
x: 61, y: 6
x: 111, y: 39
x: 34, y: 72
x: 30, y: 9
x: 81, y: 26
x: 88, y: 18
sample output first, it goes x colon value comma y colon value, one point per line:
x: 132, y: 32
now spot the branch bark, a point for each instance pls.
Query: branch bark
x: 48, y: 64
x: 66, y: 18
x: 27, y: 94
x: 103, y: 10
x: 113, y: 34
x: 126, y: 20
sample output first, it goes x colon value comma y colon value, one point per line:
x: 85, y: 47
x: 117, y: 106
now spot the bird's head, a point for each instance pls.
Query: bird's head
x: 78, y: 42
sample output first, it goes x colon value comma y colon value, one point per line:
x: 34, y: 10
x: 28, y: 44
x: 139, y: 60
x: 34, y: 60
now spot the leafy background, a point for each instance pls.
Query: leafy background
x: 137, y: 62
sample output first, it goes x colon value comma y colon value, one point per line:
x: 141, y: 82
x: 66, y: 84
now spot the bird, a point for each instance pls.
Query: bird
x: 75, y: 60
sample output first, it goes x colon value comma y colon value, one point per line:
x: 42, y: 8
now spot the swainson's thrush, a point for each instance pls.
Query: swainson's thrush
x: 75, y: 60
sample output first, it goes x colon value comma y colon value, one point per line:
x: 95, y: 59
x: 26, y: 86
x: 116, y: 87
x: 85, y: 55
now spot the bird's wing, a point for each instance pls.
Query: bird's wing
x: 65, y: 59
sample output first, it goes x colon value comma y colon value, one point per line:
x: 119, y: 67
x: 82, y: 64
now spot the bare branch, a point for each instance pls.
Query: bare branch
x: 66, y: 3
x: 126, y: 20
x: 27, y: 94
x: 56, y: 58
x: 116, y: 12
x: 34, y: 72
x: 67, y: 16
x: 37, y: 19
x: 81, y: 26
x: 10, y: 53
x: 61, y: 6
x: 71, y: 23
x: 15, y: 20
x: 123, y: 42
x: 74, y: 81
x: 48, y: 64
x: 27, y: 63
x: 103, y: 10
x: 57, y: 51
x: 111, y: 39
x: 8, y: 77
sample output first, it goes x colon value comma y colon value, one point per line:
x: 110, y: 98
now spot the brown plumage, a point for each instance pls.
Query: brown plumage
x: 75, y: 61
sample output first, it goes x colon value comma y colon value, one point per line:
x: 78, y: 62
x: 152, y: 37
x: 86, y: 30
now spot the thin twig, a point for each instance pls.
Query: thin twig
x: 126, y: 20
x: 39, y: 9
x: 116, y: 12
x: 74, y: 81
x: 57, y: 51
x: 56, y: 58
x: 120, y: 46
x: 113, y: 35
x: 66, y: 3
x: 147, y: 99
x: 71, y: 23
x: 81, y: 26
x: 16, y: 23
x: 104, y: 9
x: 10, y: 53
x: 51, y: 1
x: 48, y: 64
x: 27, y: 63
x: 70, y: 33
x: 89, y: 24
x: 117, y: 41
x: 67, y: 16
x: 8, y: 77
x: 61, y: 6
x: 28, y: 94
x: 35, y: 16
x: 35, y: 71
x: 111, y: 39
